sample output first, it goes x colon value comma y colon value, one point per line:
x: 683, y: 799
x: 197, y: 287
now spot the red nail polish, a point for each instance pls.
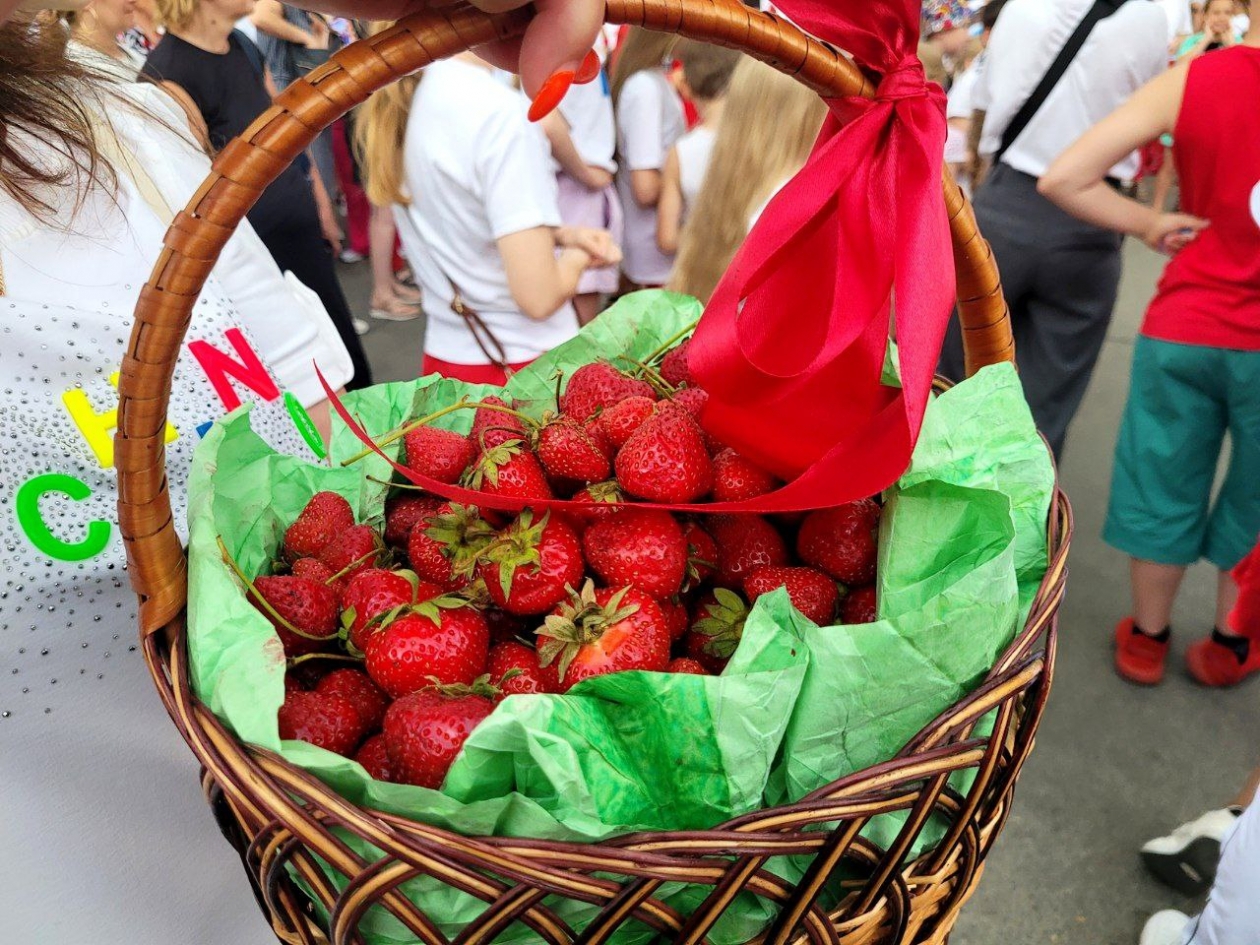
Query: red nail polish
x: 549, y: 96
x: 588, y: 71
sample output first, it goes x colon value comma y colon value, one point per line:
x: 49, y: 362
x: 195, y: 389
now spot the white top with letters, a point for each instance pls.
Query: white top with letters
x: 1123, y: 53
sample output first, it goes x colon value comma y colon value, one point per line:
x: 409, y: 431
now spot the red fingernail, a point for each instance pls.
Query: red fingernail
x: 588, y: 71
x: 549, y: 96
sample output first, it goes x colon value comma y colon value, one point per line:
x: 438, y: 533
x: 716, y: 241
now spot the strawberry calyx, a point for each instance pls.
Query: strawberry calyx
x: 648, y: 373
x: 461, y: 534
x: 481, y: 686
x: 516, y: 547
x: 669, y: 343
x: 263, y: 602
x: 608, y: 493
x: 487, y: 466
x: 723, y: 623
x: 578, y: 623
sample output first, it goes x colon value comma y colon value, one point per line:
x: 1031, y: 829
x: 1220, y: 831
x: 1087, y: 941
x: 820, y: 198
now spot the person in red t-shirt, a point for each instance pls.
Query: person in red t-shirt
x: 1196, y: 365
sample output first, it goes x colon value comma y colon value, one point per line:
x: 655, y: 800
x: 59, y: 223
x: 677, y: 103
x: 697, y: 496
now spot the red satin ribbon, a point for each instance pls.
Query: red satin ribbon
x: 791, y: 347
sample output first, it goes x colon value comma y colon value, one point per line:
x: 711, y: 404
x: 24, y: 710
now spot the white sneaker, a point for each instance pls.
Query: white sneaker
x: 1186, y: 859
x: 350, y: 257
x: 1165, y: 928
x: 361, y: 326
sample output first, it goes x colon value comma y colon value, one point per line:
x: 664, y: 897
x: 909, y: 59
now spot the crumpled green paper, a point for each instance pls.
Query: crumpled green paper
x: 962, y: 549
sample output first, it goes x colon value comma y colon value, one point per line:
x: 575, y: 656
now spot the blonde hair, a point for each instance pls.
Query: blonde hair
x: 380, y: 134
x: 642, y: 49
x: 767, y: 131
x: 176, y: 14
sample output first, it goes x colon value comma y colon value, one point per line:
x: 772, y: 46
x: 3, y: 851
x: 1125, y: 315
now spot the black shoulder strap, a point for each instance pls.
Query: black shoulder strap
x: 252, y: 52
x: 1098, y: 12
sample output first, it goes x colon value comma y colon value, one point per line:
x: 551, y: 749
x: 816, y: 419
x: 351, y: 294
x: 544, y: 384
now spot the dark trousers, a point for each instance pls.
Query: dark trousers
x: 298, y: 247
x: 1061, y: 277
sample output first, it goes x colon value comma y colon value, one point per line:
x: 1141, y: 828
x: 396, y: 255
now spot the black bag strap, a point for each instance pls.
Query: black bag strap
x: 1097, y: 13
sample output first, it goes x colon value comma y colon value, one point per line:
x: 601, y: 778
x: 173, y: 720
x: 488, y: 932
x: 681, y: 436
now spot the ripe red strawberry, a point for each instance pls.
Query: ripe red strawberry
x: 509, y: 469
x: 374, y: 758
x: 292, y: 683
x: 595, y: 430
x: 812, y: 593
x: 323, y: 719
x: 665, y: 459
x: 443, y: 548
x: 702, y: 555
x: 401, y: 514
x: 304, y: 612
x: 621, y: 419
x: 568, y: 452
x: 744, y: 544
x: 441, y: 454
x: 642, y: 548
x: 676, y: 618
x: 442, y: 639
x: 371, y: 593
x: 491, y: 428
x: 603, y: 631
x: 354, y: 550
x: 530, y: 676
x: 531, y: 563
x: 424, y: 731
x: 736, y: 478
x: 315, y: 570
x: 687, y: 666
x: 859, y: 606
x: 694, y: 400
x: 716, y: 629
x: 602, y: 497
x: 674, y: 367
x: 598, y: 386
x: 325, y: 517
x: 355, y: 686
x: 505, y: 627
x: 842, y: 541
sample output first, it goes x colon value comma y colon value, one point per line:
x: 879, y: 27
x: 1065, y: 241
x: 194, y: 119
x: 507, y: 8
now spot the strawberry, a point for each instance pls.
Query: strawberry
x: 744, y: 544
x: 354, y: 550
x: 355, y: 686
x: 736, y: 478
x: 676, y: 618
x: 569, y: 452
x: 812, y: 593
x: 531, y: 563
x: 604, y: 631
x: 642, y: 548
x: 424, y: 731
x: 304, y: 612
x: 687, y: 666
x: 491, y: 428
x: 401, y: 514
x: 602, y: 497
x: 842, y: 541
x: 324, y: 719
x: 716, y: 628
x: 595, y: 430
x: 315, y: 570
x: 859, y: 606
x: 530, y: 676
x: 292, y: 683
x: 504, y: 627
x: 674, y: 367
x: 441, y: 454
x: 702, y: 555
x: 598, y: 386
x: 621, y: 420
x: 443, y: 639
x: 694, y: 400
x: 325, y: 517
x: 374, y: 758
x: 371, y: 593
x: 443, y: 548
x: 665, y: 459
x: 509, y: 469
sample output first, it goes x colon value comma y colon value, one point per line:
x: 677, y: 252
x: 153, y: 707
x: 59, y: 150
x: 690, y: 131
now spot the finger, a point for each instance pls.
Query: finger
x: 557, y: 41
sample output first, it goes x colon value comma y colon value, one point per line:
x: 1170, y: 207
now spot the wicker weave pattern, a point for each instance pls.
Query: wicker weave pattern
x: 281, y: 819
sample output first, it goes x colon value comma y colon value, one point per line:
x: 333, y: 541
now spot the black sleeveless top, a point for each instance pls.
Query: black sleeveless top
x: 230, y: 93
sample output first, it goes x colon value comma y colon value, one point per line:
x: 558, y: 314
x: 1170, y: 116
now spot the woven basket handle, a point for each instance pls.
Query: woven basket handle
x: 248, y: 164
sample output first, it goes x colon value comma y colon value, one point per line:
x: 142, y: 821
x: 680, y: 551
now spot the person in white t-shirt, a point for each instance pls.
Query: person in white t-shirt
x: 583, y: 137
x: 1180, y: 22
x: 474, y: 193
x: 106, y: 835
x: 649, y: 121
x: 706, y: 72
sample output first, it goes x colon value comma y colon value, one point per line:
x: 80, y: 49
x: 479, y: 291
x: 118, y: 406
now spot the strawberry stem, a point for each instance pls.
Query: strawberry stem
x: 654, y: 378
x: 400, y: 432
x: 266, y: 605
x: 351, y: 566
x: 336, y: 657
x: 671, y: 342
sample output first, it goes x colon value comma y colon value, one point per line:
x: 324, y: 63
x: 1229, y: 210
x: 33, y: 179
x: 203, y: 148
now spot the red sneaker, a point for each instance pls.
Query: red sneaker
x: 1139, y: 658
x: 1214, y: 664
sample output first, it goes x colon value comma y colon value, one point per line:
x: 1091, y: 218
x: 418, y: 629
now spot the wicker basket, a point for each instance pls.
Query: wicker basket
x: 282, y: 820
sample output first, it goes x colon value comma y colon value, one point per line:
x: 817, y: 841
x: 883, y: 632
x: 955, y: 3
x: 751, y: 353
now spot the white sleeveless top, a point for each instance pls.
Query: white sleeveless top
x: 694, y: 150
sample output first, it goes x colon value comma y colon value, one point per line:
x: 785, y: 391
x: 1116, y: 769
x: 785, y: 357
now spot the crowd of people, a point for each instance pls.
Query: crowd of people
x: 499, y: 221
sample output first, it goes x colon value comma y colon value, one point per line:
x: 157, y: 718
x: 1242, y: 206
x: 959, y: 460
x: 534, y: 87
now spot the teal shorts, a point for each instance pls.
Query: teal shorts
x: 1182, y: 401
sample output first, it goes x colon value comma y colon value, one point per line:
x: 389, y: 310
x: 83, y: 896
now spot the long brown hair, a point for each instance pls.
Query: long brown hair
x: 380, y: 134
x: 642, y: 49
x: 38, y: 106
x: 768, y: 128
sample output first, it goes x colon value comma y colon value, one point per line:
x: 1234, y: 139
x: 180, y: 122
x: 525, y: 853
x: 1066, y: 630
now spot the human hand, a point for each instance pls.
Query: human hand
x: 318, y: 34
x: 1170, y: 233
x: 597, y: 244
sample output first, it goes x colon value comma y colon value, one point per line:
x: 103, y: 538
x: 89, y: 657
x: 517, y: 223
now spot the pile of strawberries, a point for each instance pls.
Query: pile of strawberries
x: 401, y: 640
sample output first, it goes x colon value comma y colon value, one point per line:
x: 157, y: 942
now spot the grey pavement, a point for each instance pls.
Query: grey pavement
x: 1114, y: 765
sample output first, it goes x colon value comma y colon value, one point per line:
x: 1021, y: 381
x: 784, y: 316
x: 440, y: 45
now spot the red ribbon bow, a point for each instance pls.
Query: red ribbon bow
x: 792, y: 345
